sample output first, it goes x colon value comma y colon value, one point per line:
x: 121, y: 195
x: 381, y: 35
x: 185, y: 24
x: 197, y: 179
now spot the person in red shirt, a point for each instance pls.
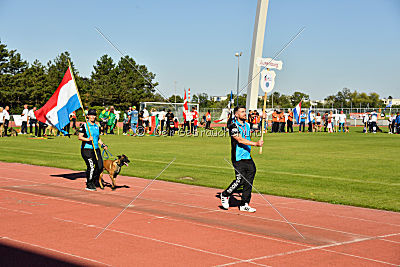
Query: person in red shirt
x: 290, y: 121
x: 195, y: 116
x: 282, y: 121
x: 275, y: 121
x: 208, y: 120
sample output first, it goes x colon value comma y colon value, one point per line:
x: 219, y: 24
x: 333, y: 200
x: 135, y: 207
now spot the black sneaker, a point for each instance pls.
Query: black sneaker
x: 90, y: 187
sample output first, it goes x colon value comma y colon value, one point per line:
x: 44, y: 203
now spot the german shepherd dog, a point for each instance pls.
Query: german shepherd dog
x: 113, y: 167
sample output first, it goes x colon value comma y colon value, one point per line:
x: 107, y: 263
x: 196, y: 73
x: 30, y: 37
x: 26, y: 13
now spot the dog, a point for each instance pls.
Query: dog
x: 113, y: 167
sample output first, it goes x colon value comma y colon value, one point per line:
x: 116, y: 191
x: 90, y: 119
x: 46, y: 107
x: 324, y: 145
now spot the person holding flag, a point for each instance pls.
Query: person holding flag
x: 244, y: 166
x: 56, y: 112
x: 89, y: 134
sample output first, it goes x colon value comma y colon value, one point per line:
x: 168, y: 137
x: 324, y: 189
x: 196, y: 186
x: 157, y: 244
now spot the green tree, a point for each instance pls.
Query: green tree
x: 134, y: 83
x: 297, y: 97
x: 104, y: 82
x: 179, y: 99
x: 34, y: 82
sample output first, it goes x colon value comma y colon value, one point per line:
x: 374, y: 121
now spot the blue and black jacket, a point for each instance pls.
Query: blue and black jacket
x: 94, y: 132
x: 239, y: 151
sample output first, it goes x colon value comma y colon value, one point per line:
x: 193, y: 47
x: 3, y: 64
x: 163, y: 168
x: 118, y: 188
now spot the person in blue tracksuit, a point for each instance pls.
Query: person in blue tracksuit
x: 303, y: 118
x: 94, y: 165
x: 245, y: 169
x: 134, y: 119
x: 397, y: 123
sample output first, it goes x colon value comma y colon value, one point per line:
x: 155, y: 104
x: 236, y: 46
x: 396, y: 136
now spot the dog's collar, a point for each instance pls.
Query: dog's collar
x: 118, y: 163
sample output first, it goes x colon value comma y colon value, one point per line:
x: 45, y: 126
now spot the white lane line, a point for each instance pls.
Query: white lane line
x: 340, y: 216
x: 360, y: 257
x: 49, y: 197
x: 156, y: 240
x: 318, y: 248
x: 54, y: 250
x: 391, y: 241
x: 26, y: 212
x: 30, y: 181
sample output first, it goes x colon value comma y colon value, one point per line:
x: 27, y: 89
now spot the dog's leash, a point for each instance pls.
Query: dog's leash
x: 106, y: 154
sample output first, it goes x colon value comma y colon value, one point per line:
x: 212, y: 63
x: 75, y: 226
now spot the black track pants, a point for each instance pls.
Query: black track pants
x: 247, y: 168
x: 94, y: 167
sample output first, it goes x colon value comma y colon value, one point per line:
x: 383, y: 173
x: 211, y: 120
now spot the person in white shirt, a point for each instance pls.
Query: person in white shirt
x: 365, y: 121
x: 318, y: 120
x: 6, y: 117
x: 32, y: 120
x: 161, y: 117
x: 374, y: 120
x: 393, y: 124
x: 342, y: 121
x: 24, y: 117
x: 188, y: 116
x: 146, y: 119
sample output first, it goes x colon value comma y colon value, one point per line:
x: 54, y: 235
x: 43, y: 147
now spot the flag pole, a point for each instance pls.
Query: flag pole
x: 83, y: 110
x: 263, y: 121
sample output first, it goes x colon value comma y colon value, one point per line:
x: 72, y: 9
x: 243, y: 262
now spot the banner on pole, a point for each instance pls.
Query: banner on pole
x: 269, y: 63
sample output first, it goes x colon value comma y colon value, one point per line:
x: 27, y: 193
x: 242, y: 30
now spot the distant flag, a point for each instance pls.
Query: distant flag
x: 63, y: 102
x: 189, y: 95
x: 229, y: 107
x: 297, y: 112
x: 185, y: 106
x: 231, y: 101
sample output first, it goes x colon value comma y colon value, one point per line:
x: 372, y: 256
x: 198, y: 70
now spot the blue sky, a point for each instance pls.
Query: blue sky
x: 346, y: 43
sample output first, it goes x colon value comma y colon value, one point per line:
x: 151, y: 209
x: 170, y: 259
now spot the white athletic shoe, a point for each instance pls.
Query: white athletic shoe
x: 225, y: 202
x: 247, y: 208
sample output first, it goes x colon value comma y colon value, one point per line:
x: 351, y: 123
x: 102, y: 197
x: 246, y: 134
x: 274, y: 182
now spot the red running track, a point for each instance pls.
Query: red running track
x: 47, y: 218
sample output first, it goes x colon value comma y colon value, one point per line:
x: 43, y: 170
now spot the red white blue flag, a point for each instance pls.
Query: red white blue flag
x: 63, y: 102
x: 297, y: 112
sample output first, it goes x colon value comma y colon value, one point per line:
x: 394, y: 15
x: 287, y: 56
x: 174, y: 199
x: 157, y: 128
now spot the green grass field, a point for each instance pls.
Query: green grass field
x: 354, y: 168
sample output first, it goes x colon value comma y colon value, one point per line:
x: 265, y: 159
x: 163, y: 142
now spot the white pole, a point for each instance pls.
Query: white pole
x: 256, y: 52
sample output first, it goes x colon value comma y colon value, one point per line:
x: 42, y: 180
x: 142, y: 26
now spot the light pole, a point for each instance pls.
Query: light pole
x: 237, y: 95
